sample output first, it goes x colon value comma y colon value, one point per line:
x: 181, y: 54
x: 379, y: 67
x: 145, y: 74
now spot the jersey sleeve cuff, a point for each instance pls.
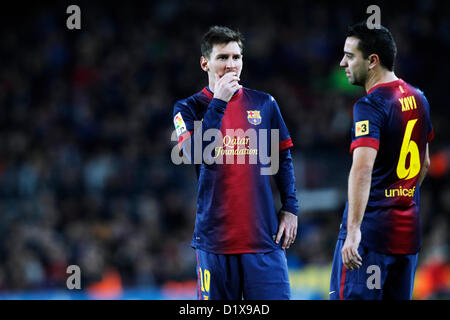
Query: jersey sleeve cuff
x: 218, y: 104
x: 364, y: 142
x: 290, y: 208
x: 286, y: 144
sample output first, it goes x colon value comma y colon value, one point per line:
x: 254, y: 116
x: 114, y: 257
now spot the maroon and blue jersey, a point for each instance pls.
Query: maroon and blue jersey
x: 393, y: 118
x: 235, y: 210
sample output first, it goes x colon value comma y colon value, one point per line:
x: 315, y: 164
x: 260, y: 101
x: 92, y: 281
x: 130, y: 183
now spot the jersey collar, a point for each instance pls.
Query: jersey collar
x: 387, y: 84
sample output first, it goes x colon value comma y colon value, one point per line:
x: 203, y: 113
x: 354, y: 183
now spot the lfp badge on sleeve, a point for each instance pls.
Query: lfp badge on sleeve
x: 254, y: 117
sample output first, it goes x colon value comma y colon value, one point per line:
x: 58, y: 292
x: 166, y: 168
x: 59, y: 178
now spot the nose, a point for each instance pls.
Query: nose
x: 231, y: 64
x: 343, y: 62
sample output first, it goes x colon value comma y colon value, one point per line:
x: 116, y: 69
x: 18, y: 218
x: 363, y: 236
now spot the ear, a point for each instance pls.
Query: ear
x: 204, y: 63
x: 374, y: 60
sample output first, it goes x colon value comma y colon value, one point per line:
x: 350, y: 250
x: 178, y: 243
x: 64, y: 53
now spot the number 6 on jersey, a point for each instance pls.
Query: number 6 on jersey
x: 409, y: 147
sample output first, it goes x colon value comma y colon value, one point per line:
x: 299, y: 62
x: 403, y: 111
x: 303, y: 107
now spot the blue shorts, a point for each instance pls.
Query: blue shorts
x: 252, y: 276
x: 381, y: 276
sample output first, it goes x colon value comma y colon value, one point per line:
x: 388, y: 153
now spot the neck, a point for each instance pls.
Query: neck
x: 211, y: 82
x: 382, y: 76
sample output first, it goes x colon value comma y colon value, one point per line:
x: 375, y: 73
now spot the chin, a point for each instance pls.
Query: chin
x: 355, y: 82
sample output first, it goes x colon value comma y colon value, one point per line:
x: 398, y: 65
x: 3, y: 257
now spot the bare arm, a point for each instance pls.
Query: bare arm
x: 358, y: 194
x: 425, y: 166
x: 359, y: 184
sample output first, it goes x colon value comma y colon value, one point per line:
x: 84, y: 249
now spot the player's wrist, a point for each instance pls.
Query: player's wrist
x: 223, y: 96
x: 218, y: 103
x: 289, y: 209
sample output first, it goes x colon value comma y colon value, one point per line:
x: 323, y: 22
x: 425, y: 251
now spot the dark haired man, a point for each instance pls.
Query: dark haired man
x: 239, y: 240
x: 379, y: 239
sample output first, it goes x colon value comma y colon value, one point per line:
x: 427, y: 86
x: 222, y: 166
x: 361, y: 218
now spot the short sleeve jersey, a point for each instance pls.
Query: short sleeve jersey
x: 393, y: 118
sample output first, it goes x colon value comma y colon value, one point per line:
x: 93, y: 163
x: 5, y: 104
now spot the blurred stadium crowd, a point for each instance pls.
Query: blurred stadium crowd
x: 86, y: 176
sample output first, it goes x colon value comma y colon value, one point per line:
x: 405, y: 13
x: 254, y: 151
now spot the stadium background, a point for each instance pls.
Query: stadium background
x: 86, y: 119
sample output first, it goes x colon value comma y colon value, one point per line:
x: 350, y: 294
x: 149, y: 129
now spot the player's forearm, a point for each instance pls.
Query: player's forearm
x: 211, y: 120
x: 423, y: 174
x: 285, y: 181
x: 358, y: 195
x: 214, y: 114
x: 425, y: 166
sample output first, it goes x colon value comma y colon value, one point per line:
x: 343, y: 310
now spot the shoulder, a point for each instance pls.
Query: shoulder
x: 374, y: 99
x: 369, y: 107
x: 417, y: 92
x: 259, y: 95
x: 412, y: 88
x: 183, y: 103
x: 372, y: 102
x: 367, y: 102
x: 189, y: 101
x: 192, y: 103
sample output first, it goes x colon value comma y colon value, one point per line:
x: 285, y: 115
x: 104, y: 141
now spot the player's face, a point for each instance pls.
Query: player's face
x: 355, y: 65
x: 225, y: 58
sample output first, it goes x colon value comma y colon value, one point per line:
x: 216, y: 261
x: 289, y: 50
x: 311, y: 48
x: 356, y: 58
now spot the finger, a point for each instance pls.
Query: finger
x: 351, y: 259
x: 229, y: 77
x: 287, y: 239
x: 286, y: 242
x: 344, y: 256
x: 290, y: 233
x: 355, y: 266
x: 232, y: 85
x: 347, y: 265
x: 355, y: 263
x: 292, y: 239
x: 351, y: 262
x: 280, y: 233
x: 230, y: 73
x: 235, y: 86
x: 345, y: 259
x: 357, y: 256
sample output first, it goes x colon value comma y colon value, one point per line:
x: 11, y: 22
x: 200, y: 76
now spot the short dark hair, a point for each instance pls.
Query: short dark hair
x: 219, y: 35
x: 377, y: 40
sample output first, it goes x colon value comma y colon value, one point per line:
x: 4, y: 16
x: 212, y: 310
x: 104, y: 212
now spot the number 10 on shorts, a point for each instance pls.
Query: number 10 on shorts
x: 205, y: 280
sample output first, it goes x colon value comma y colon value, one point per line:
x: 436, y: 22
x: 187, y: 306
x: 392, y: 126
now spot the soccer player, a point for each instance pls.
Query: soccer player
x: 379, y: 238
x: 239, y: 239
